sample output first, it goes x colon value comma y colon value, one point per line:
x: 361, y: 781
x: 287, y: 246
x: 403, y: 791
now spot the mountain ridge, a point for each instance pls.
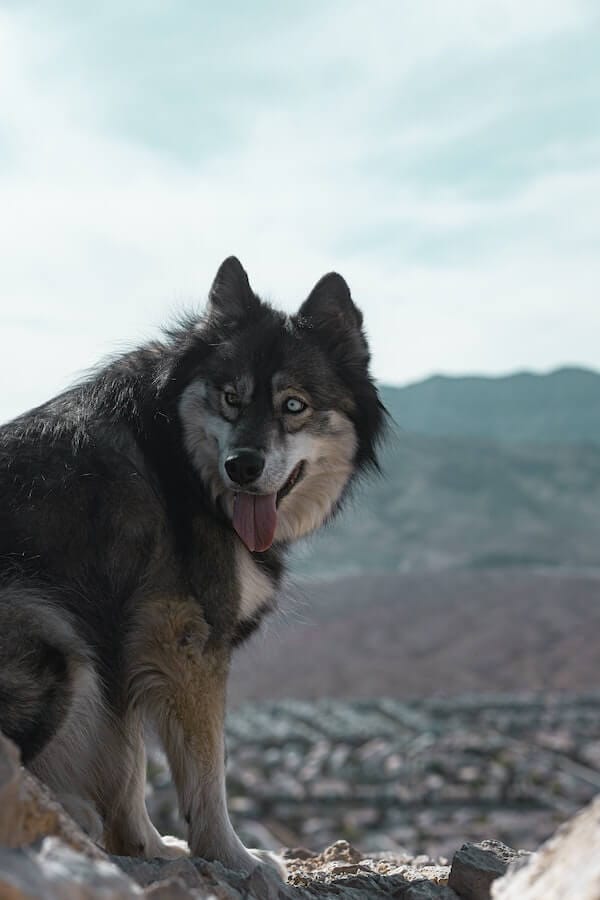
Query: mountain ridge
x: 561, y: 406
x: 478, y: 472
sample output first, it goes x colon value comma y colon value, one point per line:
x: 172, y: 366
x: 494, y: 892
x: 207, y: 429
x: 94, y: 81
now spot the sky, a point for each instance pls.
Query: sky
x: 444, y: 157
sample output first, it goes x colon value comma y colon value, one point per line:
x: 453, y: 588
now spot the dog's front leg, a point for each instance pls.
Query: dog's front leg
x: 180, y: 675
x: 192, y: 732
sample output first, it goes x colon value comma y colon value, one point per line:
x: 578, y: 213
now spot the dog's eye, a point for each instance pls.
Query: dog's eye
x: 232, y: 399
x: 294, y: 405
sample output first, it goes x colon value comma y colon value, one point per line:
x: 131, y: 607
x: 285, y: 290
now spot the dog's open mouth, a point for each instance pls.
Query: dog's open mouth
x: 255, y: 515
x: 296, y: 475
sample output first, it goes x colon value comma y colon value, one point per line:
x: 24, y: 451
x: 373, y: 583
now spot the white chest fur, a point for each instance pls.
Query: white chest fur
x: 255, y: 586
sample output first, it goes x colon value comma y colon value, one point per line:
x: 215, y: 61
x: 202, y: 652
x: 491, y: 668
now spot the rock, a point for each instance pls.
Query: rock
x: 10, y: 789
x: 29, y: 812
x: 341, y: 851
x: 202, y: 879
x: 264, y: 883
x: 426, y: 890
x: 342, y: 870
x: 57, y: 872
x: 299, y: 853
x: 150, y: 871
x: 45, y: 856
x: 566, y: 867
x: 173, y: 889
x: 476, y: 866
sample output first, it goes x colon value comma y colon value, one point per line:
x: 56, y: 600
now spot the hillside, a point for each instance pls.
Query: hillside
x: 478, y: 472
x: 467, y: 502
x: 561, y: 406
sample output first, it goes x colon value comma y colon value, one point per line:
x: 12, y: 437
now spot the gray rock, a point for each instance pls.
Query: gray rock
x: 149, y: 871
x: 264, y: 883
x: 476, y: 866
x: 427, y: 890
x: 57, y: 872
x: 174, y: 889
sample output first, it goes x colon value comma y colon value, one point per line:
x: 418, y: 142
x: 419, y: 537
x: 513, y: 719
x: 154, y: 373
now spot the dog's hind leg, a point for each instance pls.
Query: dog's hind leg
x: 96, y: 765
x: 180, y: 678
x: 128, y: 830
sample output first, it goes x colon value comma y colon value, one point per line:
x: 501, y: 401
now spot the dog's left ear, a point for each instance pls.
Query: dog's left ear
x: 231, y: 299
x: 333, y: 315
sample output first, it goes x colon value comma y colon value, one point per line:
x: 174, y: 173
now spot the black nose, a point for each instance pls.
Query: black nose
x: 244, y: 466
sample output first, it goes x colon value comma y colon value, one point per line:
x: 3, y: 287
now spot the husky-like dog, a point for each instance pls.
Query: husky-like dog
x: 144, y: 519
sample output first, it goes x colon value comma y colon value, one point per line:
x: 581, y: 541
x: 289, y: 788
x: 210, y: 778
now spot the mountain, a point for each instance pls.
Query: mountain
x: 561, y: 406
x: 467, y: 503
x: 478, y: 472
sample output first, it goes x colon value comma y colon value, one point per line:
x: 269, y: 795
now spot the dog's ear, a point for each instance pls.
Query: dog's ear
x: 231, y: 299
x: 330, y: 312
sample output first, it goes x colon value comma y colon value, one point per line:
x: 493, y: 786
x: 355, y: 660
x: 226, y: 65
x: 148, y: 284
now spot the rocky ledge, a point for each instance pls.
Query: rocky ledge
x: 45, y: 856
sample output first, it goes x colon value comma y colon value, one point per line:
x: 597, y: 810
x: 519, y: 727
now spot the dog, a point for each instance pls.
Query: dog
x: 145, y: 520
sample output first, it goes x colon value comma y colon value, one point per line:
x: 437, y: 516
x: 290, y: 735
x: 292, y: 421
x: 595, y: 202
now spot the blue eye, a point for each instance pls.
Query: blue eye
x: 294, y: 405
x: 232, y: 399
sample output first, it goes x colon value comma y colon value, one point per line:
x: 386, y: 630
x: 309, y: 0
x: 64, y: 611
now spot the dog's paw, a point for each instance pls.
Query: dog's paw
x: 272, y: 861
x: 169, y: 847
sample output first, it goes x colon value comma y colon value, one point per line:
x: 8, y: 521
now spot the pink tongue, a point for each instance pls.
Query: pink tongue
x: 255, y: 519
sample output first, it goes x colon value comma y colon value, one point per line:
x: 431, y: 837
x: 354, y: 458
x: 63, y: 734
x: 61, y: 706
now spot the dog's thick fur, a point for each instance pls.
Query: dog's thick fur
x: 134, y: 556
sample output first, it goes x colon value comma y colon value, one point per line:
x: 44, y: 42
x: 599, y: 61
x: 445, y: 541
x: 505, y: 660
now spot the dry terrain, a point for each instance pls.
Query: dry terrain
x: 418, y: 777
x: 427, y: 635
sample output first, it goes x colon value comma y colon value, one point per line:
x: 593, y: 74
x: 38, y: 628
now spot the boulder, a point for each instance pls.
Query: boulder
x: 566, y: 867
x: 476, y: 866
x: 58, y: 872
x: 28, y: 811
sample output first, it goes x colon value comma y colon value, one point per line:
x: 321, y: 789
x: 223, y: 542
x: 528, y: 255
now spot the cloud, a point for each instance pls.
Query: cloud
x: 107, y: 229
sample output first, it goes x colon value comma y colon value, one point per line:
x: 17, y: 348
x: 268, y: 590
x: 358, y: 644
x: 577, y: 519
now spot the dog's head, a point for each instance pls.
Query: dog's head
x: 279, y: 413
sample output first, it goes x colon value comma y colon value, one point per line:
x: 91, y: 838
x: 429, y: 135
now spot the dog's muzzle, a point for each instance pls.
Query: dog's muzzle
x: 255, y: 515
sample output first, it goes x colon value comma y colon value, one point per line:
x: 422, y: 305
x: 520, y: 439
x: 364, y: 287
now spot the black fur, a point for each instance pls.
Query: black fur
x: 34, y: 706
x: 96, y: 483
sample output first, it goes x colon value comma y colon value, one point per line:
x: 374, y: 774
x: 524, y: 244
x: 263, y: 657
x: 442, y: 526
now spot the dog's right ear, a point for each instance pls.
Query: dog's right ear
x: 330, y: 313
x: 231, y: 299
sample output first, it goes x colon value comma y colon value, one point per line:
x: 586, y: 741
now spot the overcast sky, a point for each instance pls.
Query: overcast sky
x: 444, y: 156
